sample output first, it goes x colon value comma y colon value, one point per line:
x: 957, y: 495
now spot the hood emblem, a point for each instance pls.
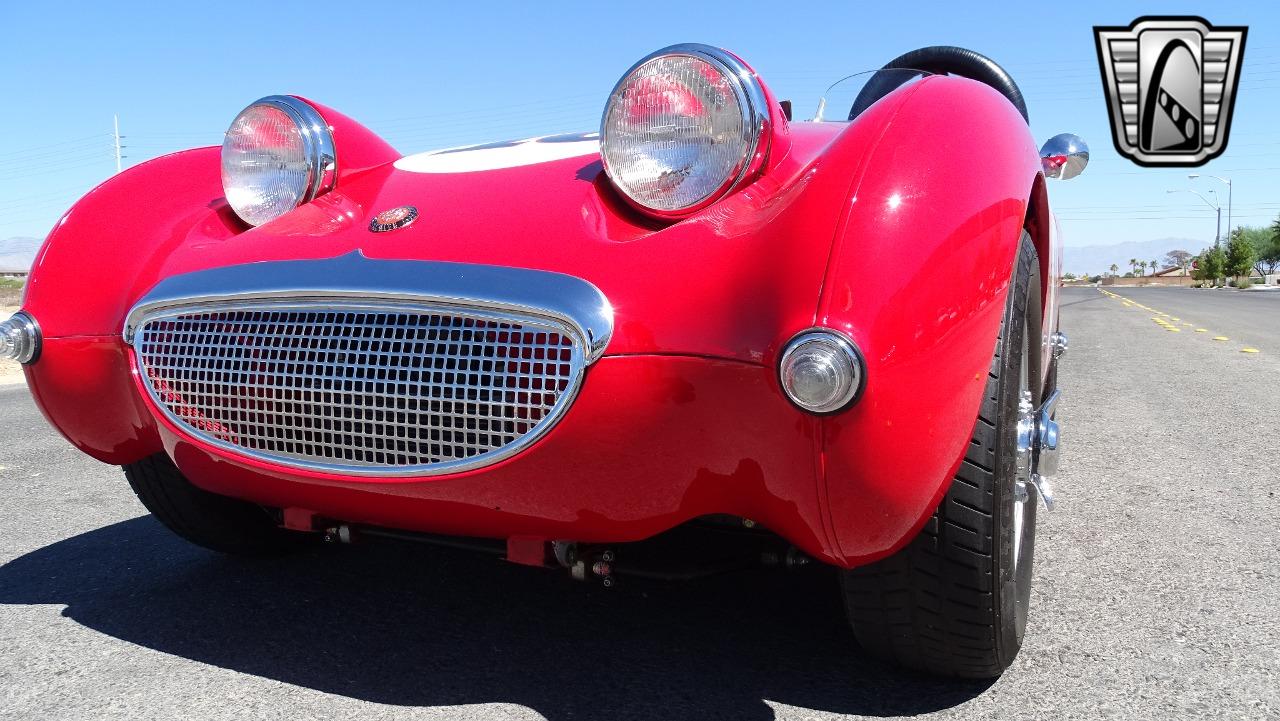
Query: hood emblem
x: 393, y: 219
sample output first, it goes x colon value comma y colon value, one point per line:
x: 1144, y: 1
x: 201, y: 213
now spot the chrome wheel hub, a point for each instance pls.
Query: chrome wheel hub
x: 1037, y: 449
x: 1036, y: 458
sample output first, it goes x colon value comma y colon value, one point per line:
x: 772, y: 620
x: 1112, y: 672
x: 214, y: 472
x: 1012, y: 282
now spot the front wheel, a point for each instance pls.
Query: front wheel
x: 219, y: 523
x: 954, y: 600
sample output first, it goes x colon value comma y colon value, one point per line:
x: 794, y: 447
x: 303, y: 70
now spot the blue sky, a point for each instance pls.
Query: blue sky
x: 427, y: 77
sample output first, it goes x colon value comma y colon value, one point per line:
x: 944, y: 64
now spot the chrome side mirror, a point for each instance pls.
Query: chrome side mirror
x: 1064, y: 156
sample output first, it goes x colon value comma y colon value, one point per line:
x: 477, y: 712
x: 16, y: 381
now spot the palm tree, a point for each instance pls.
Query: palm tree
x: 1153, y: 267
x: 1115, y: 268
x: 1143, y: 265
x: 1133, y: 264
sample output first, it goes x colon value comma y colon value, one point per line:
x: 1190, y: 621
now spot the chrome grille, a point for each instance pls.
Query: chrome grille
x: 360, y: 388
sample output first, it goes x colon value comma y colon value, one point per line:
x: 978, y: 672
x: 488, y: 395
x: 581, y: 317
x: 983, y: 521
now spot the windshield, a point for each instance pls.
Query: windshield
x: 862, y: 89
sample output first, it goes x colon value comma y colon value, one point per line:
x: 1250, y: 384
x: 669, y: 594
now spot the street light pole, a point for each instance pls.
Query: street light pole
x: 1230, y: 188
x: 1229, y: 193
x: 1217, y: 231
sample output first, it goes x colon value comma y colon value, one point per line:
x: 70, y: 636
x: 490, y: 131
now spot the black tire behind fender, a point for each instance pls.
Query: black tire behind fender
x: 950, y: 602
x: 223, y: 524
x: 940, y: 60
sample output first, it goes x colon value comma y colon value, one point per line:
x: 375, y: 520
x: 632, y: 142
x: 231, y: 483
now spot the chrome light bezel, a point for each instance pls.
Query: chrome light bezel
x: 317, y: 144
x: 752, y: 101
x: 845, y: 345
x: 29, y: 334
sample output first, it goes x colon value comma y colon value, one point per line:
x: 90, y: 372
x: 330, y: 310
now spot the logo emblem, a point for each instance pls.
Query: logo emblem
x: 1170, y: 84
x: 393, y: 218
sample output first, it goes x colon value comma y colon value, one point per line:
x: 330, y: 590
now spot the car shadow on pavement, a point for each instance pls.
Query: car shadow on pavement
x: 1090, y: 299
x: 417, y: 626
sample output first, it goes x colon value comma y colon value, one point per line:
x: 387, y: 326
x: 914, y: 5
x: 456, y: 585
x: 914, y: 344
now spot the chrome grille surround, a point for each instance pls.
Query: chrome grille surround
x: 364, y: 367
x: 359, y: 387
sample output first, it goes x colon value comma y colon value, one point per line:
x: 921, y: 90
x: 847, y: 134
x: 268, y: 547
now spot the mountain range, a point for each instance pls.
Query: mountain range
x: 18, y: 253
x: 1098, y: 259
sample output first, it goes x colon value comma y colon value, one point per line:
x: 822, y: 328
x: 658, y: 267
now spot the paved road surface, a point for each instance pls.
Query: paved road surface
x: 1157, y: 592
x: 1250, y: 317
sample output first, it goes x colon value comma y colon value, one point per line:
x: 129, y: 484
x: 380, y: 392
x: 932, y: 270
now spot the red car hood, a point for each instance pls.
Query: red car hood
x: 733, y: 281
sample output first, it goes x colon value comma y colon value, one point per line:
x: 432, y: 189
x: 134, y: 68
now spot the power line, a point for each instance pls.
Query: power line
x: 97, y: 145
x: 97, y: 136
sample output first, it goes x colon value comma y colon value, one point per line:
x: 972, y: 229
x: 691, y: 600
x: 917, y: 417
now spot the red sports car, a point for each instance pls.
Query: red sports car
x: 778, y: 341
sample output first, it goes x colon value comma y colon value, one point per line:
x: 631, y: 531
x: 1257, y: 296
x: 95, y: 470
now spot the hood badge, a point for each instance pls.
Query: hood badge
x: 393, y: 219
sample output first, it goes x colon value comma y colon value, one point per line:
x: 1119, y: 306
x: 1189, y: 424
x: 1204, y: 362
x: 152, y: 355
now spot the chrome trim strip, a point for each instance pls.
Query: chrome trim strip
x: 749, y: 91
x: 541, y: 294
x: 275, y: 304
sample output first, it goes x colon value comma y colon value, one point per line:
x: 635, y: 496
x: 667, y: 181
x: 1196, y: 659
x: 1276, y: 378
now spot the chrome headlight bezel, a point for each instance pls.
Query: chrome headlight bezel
x: 752, y: 102
x: 318, y: 148
x: 843, y: 352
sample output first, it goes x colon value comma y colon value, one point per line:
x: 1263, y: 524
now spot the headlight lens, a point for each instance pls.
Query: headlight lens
x: 681, y: 128
x: 277, y: 155
x: 821, y: 371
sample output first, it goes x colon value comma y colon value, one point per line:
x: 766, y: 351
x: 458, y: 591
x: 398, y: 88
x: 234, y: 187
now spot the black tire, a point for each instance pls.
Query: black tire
x: 950, y: 602
x: 940, y: 60
x: 219, y: 523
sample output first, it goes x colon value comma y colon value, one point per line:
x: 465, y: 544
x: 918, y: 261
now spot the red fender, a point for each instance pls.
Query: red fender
x: 918, y: 278
x: 110, y: 248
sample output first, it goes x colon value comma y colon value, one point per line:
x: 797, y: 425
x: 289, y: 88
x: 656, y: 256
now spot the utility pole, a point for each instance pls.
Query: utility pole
x: 117, y: 139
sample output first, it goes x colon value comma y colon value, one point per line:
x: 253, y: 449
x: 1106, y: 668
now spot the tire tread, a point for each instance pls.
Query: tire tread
x: 219, y: 523
x: 933, y: 605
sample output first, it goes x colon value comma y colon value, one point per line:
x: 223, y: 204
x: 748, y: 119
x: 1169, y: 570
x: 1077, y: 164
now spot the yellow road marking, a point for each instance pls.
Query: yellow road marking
x: 1160, y: 317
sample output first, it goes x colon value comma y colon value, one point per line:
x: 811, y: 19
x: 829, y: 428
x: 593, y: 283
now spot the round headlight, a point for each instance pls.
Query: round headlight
x: 682, y: 128
x: 821, y: 371
x: 277, y: 155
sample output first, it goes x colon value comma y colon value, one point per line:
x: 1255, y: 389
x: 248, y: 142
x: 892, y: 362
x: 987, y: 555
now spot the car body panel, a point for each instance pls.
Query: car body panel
x: 879, y: 228
x: 918, y: 277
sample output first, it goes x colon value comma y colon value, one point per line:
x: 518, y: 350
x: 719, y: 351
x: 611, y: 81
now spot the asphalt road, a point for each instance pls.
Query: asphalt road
x: 1251, y: 318
x: 1157, y: 592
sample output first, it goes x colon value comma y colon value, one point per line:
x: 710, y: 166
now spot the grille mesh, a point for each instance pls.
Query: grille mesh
x: 359, y: 388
